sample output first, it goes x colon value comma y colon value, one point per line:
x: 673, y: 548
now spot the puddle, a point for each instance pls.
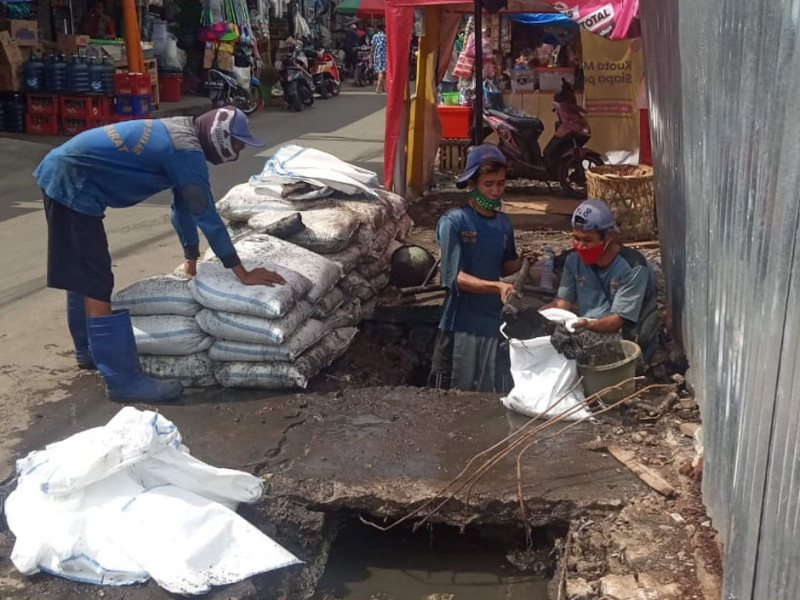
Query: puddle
x: 431, y: 564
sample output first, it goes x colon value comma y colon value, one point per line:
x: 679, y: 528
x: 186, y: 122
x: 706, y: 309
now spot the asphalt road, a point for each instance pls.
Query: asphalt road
x: 35, y: 349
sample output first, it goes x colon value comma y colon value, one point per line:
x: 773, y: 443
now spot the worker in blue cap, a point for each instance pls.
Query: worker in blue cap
x: 611, y: 287
x: 118, y: 166
x: 477, y: 249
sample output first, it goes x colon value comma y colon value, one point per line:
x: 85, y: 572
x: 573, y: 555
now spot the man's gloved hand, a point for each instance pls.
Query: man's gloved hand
x: 566, y: 343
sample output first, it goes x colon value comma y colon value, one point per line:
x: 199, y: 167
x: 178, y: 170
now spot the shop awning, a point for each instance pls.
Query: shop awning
x: 371, y: 8
x: 348, y: 7
x: 556, y: 19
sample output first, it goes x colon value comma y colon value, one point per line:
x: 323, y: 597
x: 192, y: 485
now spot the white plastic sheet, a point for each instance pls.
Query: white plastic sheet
x: 124, y: 502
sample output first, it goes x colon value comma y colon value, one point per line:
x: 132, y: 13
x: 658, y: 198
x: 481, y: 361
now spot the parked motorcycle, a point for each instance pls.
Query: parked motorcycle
x: 296, y: 81
x: 564, y: 159
x: 327, y: 81
x: 227, y: 89
x: 365, y: 74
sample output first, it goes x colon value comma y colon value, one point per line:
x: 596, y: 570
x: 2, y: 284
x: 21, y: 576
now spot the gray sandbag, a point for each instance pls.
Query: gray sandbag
x: 251, y: 329
x: 306, y: 336
x: 160, y: 295
x: 169, y: 335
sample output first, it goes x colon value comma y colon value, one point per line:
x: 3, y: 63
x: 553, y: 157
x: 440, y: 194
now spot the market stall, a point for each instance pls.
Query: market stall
x: 413, y: 128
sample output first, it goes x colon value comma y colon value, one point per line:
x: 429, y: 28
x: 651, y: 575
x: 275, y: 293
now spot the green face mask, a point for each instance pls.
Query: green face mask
x: 486, y: 203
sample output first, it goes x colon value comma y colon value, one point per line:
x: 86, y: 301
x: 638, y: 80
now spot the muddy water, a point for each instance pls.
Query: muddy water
x: 370, y: 565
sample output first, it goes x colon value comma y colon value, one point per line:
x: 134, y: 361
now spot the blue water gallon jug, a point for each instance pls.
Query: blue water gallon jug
x: 55, y: 74
x: 78, y: 76
x: 97, y: 76
x: 109, y: 71
x: 33, y: 73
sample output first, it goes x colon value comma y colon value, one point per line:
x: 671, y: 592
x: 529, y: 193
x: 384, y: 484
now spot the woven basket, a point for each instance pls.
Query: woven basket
x: 629, y: 192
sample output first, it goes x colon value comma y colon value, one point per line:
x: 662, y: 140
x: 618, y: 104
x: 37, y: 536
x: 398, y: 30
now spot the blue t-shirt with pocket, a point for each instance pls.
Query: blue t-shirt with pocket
x: 124, y: 164
x: 478, y: 246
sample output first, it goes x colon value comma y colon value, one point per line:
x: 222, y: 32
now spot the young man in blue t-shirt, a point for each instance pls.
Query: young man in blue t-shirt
x: 119, y: 166
x: 612, y: 287
x: 477, y: 249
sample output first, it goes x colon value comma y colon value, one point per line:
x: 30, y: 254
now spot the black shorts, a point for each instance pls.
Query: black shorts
x: 77, y: 252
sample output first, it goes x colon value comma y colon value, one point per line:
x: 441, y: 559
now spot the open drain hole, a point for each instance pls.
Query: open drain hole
x: 437, y: 562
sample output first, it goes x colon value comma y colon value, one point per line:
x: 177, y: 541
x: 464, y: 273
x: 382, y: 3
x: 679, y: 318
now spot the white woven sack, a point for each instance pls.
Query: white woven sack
x: 383, y: 237
x: 370, y: 212
x: 397, y: 205
x: 322, y: 273
x: 382, y: 265
x: 355, y: 286
x: 404, y: 226
x: 306, y: 336
x: 349, y: 314
x: 331, y: 302
x: 284, y: 375
x: 160, y: 295
x: 192, y: 370
x: 326, y: 230
x: 169, y: 335
x: 218, y: 288
x: 349, y: 258
x: 254, y: 330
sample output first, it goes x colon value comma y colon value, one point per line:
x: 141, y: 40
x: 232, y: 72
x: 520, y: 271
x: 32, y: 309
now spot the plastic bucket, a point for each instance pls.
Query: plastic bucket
x: 169, y: 88
x: 450, y: 98
x: 598, y: 378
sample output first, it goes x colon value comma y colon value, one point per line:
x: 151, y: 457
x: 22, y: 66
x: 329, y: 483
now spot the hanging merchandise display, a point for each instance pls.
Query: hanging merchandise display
x: 225, y: 21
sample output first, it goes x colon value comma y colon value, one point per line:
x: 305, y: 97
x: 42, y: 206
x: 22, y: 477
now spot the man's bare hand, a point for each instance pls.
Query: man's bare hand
x: 506, y: 291
x: 580, y: 325
x: 259, y: 276
x: 190, y: 268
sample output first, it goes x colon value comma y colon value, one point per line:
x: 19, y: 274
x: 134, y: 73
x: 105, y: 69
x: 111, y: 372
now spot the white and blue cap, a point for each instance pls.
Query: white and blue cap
x: 593, y: 215
x: 240, y: 130
x: 477, y: 156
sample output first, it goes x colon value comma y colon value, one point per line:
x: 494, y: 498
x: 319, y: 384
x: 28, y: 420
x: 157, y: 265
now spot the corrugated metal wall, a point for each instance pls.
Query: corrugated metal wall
x: 724, y: 84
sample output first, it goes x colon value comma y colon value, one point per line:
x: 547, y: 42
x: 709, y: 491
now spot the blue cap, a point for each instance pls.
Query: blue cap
x: 240, y: 129
x: 476, y: 157
x: 593, y: 215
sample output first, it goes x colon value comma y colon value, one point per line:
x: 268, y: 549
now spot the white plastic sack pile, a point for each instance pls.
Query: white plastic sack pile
x: 542, y: 376
x: 125, y: 502
x: 292, y: 164
x: 160, y: 295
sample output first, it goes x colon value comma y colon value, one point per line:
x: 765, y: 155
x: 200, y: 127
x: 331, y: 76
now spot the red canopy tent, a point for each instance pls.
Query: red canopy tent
x: 371, y: 9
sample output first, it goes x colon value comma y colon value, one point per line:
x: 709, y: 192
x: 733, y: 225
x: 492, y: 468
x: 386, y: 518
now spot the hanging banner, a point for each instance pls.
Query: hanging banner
x: 612, y: 19
x: 612, y: 76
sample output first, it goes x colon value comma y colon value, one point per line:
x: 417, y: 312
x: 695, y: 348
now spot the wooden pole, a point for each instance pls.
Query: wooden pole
x: 133, y: 40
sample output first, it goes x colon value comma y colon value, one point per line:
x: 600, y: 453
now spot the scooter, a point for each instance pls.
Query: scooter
x: 564, y: 159
x: 225, y: 89
x: 365, y: 74
x: 296, y: 81
x: 325, y: 71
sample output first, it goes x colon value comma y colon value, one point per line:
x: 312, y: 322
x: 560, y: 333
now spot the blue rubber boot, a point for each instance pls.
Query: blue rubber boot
x: 76, y: 321
x: 114, y: 350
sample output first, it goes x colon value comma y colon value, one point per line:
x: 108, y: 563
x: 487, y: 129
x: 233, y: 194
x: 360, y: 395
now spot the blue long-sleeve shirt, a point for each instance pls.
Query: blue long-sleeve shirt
x: 122, y: 165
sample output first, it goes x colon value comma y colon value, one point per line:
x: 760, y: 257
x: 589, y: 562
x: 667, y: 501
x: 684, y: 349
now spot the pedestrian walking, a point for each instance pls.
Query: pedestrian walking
x: 379, y: 57
x: 118, y: 166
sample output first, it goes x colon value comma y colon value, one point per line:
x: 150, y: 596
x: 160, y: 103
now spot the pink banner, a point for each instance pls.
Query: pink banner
x: 612, y: 19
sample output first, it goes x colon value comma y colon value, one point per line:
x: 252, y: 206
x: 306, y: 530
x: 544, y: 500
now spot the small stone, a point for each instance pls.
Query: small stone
x: 621, y: 587
x: 689, y: 429
x: 690, y: 530
x: 677, y: 518
x: 637, y: 437
x: 679, y: 380
x: 579, y: 589
x: 705, y: 524
x: 619, y: 431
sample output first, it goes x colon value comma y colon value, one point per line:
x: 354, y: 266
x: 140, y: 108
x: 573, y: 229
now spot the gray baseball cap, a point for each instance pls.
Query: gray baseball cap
x: 593, y: 215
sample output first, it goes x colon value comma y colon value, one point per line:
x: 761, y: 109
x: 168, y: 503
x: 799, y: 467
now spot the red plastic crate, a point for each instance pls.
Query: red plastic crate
x: 132, y: 84
x: 85, y: 106
x: 41, y: 124
x: 456, y: 121
x: 43, y: 104
x: 76, y: 125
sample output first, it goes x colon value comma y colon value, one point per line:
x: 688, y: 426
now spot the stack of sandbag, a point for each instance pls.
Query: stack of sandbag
x: 169, y: 340
x: 279, y: 336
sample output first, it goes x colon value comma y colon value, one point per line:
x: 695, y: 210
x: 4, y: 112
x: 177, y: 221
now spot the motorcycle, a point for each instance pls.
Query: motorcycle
x: 296, y: 81
x: 325, y: 71
x: 564, y: 159
x: 226, y: 89
x: 365, y: 74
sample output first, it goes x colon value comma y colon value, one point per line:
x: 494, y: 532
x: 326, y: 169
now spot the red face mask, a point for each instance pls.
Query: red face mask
x: 591, y: 254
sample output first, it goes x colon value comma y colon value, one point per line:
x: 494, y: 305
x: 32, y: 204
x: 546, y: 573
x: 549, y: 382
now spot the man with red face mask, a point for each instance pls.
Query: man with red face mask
x: 610, y: 286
